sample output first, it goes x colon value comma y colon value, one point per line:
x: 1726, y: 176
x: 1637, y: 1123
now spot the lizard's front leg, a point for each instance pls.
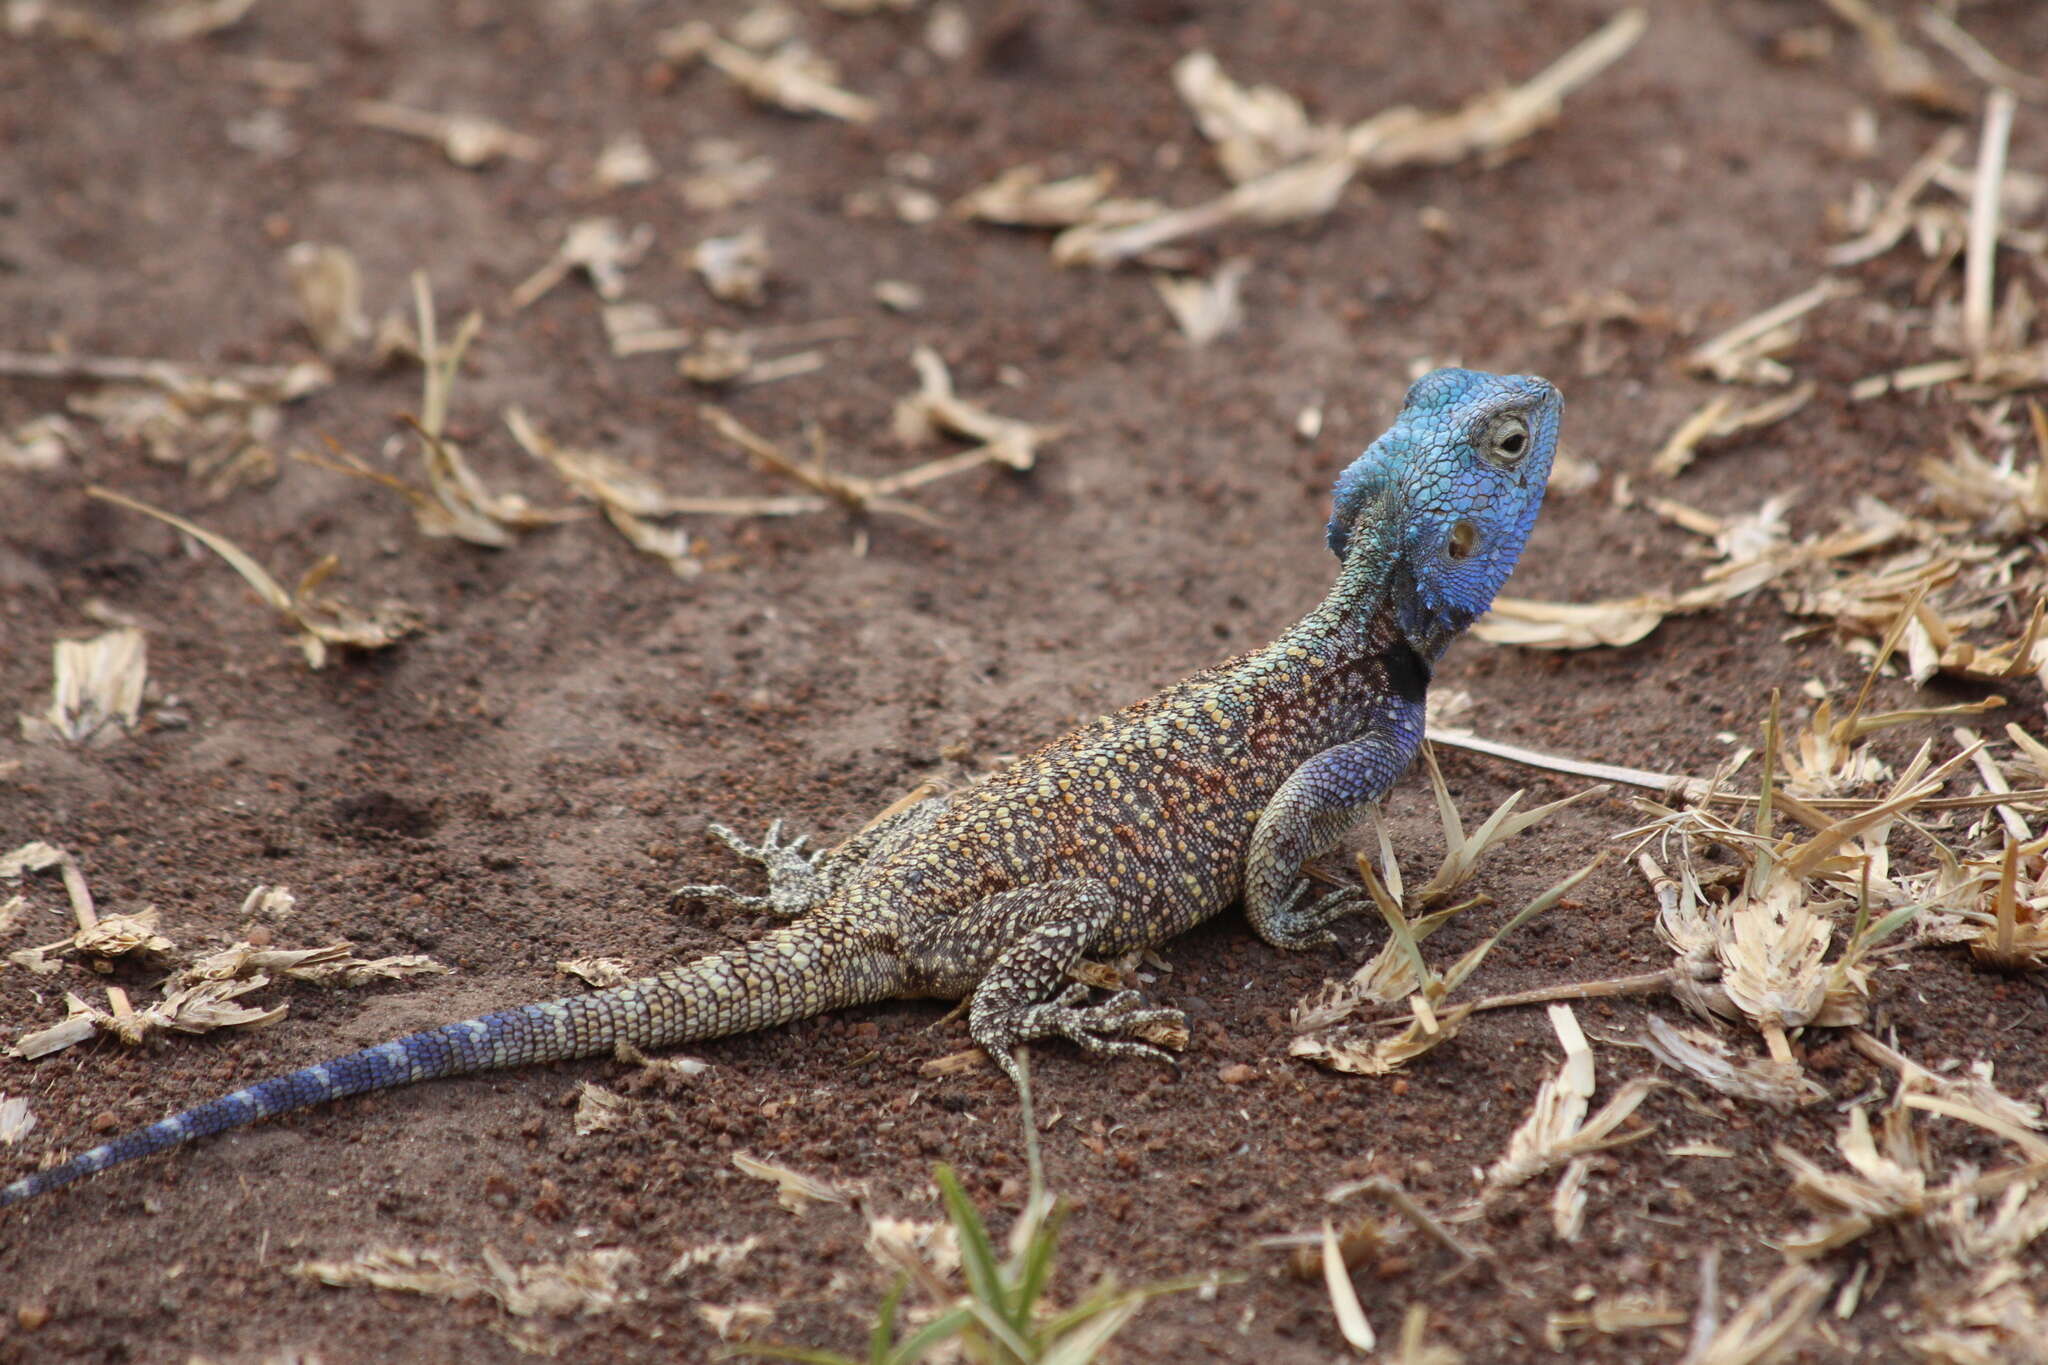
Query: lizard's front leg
x: 1314, y: 809
x: 1014, y: 950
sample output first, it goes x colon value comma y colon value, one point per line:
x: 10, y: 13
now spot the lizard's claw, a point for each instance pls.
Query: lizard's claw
x: 1301, y: 927
x: 1092, y: 1026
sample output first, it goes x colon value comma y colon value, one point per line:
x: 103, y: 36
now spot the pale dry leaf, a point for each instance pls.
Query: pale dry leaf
x: 329, y: 288
x: 736, y: 1321
x: 598, y: 973
x: 1572, y: 625
x: 96, y: 697
x: 624, y: 161
x: 719, y: 1256
x: 792, y: 78
x: 795, y: 1191
x: 39, y: 444
x: 581, y: 1284
x: 723, y: 174
x: 16, y: 1119
x: 1023, y: 197
x: 1606, y: 1317
x: 599, y: 1110
x: 1204, y: 309
x: 639, y: 328
x: 735, y: 268
x: 1256, y: 129
x: 1385, y: 1056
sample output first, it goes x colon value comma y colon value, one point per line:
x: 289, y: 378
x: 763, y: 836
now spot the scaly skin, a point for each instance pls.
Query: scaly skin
x: 1117, y: 836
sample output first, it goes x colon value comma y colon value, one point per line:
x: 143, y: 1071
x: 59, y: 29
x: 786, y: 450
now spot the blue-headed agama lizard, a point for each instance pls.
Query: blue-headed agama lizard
x: 1115, y: 837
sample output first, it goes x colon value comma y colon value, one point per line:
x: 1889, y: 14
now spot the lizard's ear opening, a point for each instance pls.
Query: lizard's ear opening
x: 1463, y: 542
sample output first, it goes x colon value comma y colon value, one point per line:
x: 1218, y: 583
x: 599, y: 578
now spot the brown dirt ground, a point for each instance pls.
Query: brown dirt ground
x: 524, y: 782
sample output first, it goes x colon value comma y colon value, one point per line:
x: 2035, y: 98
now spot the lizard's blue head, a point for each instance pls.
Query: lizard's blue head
x: 1450, y: 493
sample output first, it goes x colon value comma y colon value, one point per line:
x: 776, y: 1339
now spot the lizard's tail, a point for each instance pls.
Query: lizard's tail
x: 788, y: 974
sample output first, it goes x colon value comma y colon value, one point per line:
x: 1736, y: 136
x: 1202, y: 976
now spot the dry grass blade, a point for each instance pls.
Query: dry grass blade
x: 1306, y: 189
x: 792, y: 78
x: 1719, y: 419
x: 595, y: 246
x: 1706, y: 1058
x: 579, y: 1285
x: 1023, y: 197
x: 468, y: 140
x: 1944, y: 32
x: 1768, y: 1323
x: 1462, y: 854
x: 1742, y: 354
x: 850, y: 491
x: 1558, y: 1129
x: 195, y: 388
x: 1980, y: 253
x: 1903, y: 71
x: 622, y: 490
x: 1491, y: 123
x: 794, y: 1190
x: 1351, y: 1319
x: 1385, y: 1056
x: 2016, y: 939
x: 96, y: 697
x: 1894, y: 218
x: 935, y: 408
x: 1607, y: 1318
x: 320, y: 621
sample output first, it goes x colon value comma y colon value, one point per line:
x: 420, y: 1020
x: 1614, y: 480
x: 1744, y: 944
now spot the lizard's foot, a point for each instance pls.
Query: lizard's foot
x: 795, y: 884
x: 1066, y: 1017
x: 1301, y: 927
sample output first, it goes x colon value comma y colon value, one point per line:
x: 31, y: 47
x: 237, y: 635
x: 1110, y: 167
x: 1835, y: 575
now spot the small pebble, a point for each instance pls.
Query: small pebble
x: 1237, y: 1073
x: 32, y: 1315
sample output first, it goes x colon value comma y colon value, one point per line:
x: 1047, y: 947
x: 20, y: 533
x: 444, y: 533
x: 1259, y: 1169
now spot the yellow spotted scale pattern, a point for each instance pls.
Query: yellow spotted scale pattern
x: 1117, y: 836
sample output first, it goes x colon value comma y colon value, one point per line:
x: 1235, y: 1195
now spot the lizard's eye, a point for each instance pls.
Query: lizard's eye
x: 1464, y: 539
x: 1507, y: 441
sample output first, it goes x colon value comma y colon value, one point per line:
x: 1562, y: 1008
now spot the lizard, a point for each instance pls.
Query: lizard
x: 1117, y: 836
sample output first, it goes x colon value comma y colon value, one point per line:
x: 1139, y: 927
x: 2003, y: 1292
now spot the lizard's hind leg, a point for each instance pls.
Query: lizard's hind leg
x: 1014, y: 951
x: 797, y: 881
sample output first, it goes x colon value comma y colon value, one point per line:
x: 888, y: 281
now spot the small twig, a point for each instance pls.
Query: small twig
x: 1646, y: 983
x: 1681, y: 787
